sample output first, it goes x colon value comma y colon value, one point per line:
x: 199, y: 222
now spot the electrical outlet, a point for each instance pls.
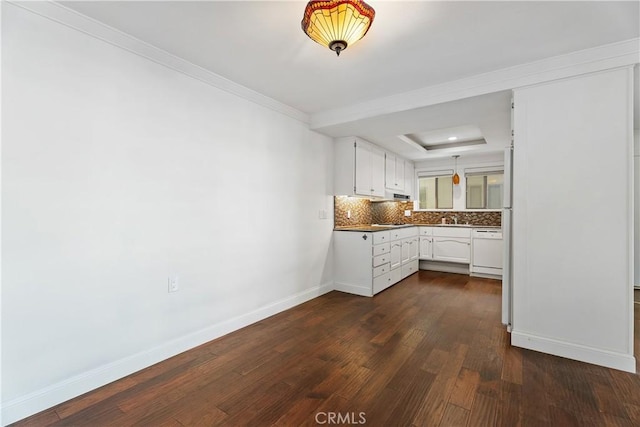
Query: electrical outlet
x: 407, y: 212
x: 349, y: 214
x: 322, y: 214
x: 174, y: 285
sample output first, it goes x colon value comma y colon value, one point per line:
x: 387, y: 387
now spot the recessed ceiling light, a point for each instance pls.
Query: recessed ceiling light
x: 452, y: 138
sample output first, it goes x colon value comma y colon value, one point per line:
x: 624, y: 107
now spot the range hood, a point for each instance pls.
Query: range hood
x: 392, y: 196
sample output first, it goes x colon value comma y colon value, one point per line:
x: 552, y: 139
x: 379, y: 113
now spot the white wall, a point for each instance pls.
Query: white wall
x: 465, y: 162
x: 572, y: 219
x: 118, y: 172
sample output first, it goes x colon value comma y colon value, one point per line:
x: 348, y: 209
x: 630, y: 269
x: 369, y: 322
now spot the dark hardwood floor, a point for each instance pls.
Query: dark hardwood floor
x: 429, y: 351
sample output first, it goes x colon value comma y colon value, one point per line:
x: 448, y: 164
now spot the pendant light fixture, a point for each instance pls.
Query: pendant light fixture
x: 456, y: 177
x: 337, y: 24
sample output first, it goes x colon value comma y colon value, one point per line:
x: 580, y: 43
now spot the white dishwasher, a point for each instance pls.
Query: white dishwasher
x: 486, y: 257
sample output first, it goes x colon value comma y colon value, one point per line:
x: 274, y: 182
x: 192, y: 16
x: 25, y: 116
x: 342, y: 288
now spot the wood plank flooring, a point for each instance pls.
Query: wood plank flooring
x: 429, y: 351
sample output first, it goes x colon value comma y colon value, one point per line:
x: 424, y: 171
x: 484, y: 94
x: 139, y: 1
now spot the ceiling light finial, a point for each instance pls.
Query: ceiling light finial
x: 337, y: 24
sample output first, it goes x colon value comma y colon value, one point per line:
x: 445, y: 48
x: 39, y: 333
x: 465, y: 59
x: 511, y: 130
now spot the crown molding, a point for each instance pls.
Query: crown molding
x: 77, y: 21
x: 599, y: 58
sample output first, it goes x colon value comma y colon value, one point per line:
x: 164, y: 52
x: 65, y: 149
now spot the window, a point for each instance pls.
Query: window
x: 436, y: 192
x: 484, y: 190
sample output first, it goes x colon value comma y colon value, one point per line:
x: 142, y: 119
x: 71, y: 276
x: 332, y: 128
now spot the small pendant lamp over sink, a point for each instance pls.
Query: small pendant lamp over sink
x: 456, y: 177
x: 337, y: 24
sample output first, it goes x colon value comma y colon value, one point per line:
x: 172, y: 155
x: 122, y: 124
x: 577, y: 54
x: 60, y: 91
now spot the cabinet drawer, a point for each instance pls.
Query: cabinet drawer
x: 426, y: 231
x: 381, y: 259
x: 381, y: 269
x: 395, y: 235
x: 381, y: 237
x: 381, y: 283
x: 409, y: 268
x: 408, y: 232
x: 381, y: 249
x: 452, y: 232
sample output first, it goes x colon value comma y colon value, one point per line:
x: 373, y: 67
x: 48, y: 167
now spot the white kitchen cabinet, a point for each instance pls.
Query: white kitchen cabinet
x: 394, y: 173
x: 411, y: 265
x: 414, y: 249
x: 405, y: 251
x: 452, y: 244
x: 359, y: 168
x: 426, y: 243
x: 396, y: 254
x: 366, y: 263
x: 409, y: 179
x: 362, y: 261
x: 409, y: 244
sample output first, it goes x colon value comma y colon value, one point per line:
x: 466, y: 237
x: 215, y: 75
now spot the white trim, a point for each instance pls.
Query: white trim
x: 434, y: 173
x: 630, y: 210
x: 572, y: 64
x: 596, y: 356
x: 483, y: 171
x: 47, y: 397
x: 353, y: 289
x: 75, y: 20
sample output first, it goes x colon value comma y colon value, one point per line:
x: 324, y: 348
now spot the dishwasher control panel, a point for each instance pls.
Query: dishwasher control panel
x: 487, y: 234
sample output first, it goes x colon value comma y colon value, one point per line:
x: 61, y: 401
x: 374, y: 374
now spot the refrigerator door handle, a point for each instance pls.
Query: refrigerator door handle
x: 508, y: 176
x: 507, y: 285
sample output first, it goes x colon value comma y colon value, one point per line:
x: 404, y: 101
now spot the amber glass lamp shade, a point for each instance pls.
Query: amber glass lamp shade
x: 456, y: 177
x: 337, y: 24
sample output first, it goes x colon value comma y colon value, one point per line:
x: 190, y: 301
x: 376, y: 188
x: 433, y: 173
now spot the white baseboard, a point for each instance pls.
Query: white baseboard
x: 596, y: 356
x: 486, y: 276
x: 55, y: 394
x: 353, y: 289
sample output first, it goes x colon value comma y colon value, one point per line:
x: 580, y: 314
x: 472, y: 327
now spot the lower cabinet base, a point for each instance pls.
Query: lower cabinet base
x: 491, y: 272
x: 445, y: 267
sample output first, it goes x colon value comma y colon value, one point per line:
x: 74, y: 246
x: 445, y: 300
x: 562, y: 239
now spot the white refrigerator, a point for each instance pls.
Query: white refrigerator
x: 507, y: 214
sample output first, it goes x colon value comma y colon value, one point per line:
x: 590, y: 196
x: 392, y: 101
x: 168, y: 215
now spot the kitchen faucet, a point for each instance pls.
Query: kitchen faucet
x: 455, y: 219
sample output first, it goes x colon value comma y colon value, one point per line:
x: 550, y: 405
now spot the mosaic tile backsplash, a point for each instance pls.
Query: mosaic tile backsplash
x: 364, y: 212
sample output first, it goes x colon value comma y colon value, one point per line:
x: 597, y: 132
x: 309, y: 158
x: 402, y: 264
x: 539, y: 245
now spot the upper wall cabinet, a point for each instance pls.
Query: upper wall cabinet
x: 409, y: 178
x: 394, y: 173
x: 359, y: 168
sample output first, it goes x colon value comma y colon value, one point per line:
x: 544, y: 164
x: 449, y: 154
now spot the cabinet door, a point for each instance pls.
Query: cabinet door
x: 389, y: 171
x: 363, y: 169
x: 414, y: 249
x: 426, y: 249
x: 396, y: 254
x: 399, y: 178
x: 405, y: 251
x: 394, y: 173
x: 377, y: 172
x: 409, y: 178
x: 451, y: 249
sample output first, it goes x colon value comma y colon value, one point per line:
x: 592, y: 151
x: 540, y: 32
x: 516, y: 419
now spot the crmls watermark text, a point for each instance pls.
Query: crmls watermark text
x: 341, y: 418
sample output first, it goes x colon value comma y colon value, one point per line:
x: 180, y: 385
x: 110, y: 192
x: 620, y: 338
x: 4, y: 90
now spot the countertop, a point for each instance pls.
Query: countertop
x: 369, y: 228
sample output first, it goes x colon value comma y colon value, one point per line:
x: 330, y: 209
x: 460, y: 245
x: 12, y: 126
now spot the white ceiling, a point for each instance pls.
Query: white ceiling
x: 411, y: 45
